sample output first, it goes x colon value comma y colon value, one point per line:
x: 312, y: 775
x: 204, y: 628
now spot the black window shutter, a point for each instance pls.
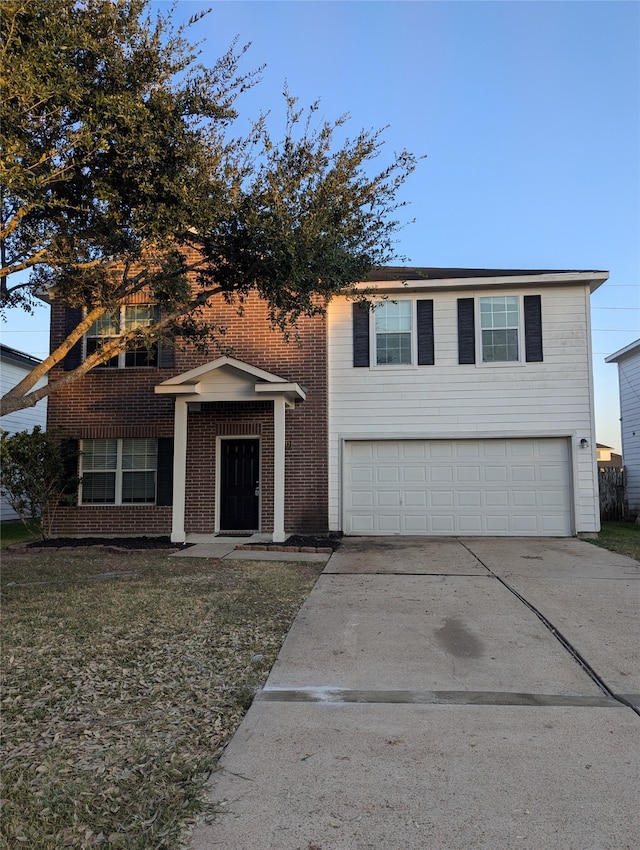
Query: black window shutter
x: 164, y: 496
x: 360, y: 335
x: 73, y: 357
x: 425, y: 332
x: 533, y: 328
x: 466, y: 331
x: 69, y: 450
x: 166, y: 356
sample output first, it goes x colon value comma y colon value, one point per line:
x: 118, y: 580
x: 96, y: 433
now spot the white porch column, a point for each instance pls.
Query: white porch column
x: 179, y: 470
x: 278, y: 469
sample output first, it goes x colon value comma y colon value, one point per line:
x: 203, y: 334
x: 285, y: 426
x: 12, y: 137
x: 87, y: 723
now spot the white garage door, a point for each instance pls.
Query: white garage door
x: 473, y: 487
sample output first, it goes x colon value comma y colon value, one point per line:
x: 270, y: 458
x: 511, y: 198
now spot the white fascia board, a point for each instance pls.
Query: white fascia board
x: 281, y: 389
x: 593, y: 279
x: 177, y: 389
x: 618, y: 355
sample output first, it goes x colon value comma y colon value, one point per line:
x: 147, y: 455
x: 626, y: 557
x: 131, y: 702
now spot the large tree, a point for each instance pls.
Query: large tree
x: 121, y: 171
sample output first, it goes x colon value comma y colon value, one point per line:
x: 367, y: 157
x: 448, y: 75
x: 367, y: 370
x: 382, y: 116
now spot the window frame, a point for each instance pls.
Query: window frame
x: 480, y: 361
x: 373, y: 335
x: 119, y: 361
x: 119, y: 472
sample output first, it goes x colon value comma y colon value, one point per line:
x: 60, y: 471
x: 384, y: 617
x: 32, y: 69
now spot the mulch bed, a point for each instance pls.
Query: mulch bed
x: 114, y: 543
x: 295, y: 543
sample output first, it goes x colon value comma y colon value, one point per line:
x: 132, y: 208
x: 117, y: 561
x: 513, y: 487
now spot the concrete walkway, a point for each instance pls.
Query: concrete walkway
x: 216, y: 546
x: 445, y: 695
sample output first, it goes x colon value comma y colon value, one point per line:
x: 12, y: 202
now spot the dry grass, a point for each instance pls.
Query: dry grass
x: 124, y: 675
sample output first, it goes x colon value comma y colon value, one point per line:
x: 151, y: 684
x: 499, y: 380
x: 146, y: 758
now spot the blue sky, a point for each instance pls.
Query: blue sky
x: 528, y: 112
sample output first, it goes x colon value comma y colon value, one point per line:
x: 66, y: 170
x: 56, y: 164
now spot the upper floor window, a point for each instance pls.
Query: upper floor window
x: 500, y: 328
x: 510, y: 329
x: 393, y: 333
x: 118, y: 472
x: 128, y: 317
x: 393, y: 324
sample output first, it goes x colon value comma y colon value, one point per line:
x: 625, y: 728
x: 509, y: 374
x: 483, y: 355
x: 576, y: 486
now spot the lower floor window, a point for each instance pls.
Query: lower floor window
x: 118, y: 472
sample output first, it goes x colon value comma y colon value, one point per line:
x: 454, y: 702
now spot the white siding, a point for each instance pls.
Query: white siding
x: 447, y: 400
x: 12, y: 373
x: 629, y: 377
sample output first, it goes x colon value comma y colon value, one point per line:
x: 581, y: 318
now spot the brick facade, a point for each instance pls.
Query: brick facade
x: 121, y: 403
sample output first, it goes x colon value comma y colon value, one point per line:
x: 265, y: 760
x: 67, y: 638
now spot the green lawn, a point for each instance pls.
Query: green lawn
x: 15, y: 532
x: 123, y: 677
x: 621, y: 537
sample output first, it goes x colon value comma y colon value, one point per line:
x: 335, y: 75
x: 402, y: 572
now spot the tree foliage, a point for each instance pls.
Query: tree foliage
x: 121, y: 171
x: 33, y: 476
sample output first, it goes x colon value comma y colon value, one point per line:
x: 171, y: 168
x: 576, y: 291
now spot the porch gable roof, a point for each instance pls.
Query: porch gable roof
x: 229, y: 379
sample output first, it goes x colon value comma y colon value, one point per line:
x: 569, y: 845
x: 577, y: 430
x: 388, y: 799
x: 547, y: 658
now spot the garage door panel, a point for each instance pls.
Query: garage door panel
x: 469, y: 499
x: 525, y: 524
x: 523, y: 474
x: 468, y: 451
x: 551, y: 475
x: 441, y: 451
x: 416, y: 525
x: 388, y: 475
x: 551, y: 499
x: 468, y: 474
x: 522, y: 450
x: 414, y: 451
x: 417, y: 499
x: 442, y: 499
x: 468, y: 524
x: 495, y: 474
x: 389, y: 499
x: 524, y: 499
x: 361, y: 475
x: 497, y: 499
x: 390, y: 524
x: 494, y: 449
x: 441, y: 487
x: 442, y: 475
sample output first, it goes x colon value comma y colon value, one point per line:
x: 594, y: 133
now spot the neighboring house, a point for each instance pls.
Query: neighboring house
x: 14, y: 366
x: 461, y: 405
x: 628, y: 360
x: 606, y: 457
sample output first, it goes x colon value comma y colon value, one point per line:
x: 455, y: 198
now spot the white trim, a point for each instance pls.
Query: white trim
x: 593, y: 278
x: 373, y: 336
x: 592, y: 417
x: 480, y: 362
x: 618, y: 355
x: 179, y: 470
x: 279, y: 535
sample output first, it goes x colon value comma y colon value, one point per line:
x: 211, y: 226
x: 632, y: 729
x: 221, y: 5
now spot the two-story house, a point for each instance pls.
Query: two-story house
x: 461, y: 403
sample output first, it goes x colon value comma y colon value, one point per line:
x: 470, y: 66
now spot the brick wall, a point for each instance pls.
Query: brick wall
x: 122, y: 403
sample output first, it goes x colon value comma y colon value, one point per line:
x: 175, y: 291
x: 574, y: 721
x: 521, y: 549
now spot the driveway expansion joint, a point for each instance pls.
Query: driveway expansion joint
x: 337, y: 695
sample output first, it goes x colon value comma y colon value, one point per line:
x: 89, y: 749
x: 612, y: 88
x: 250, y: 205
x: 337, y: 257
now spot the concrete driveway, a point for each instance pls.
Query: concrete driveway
x: 443, y: 694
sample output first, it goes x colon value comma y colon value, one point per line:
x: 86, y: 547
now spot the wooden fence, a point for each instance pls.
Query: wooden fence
x: 613, y: 501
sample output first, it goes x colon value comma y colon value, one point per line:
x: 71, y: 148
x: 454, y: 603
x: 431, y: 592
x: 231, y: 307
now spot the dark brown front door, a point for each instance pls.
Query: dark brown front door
x: 239, y: 485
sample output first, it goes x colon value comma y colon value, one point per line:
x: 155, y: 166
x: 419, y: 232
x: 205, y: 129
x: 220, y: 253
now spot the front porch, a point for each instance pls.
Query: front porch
x: 205, y: 389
